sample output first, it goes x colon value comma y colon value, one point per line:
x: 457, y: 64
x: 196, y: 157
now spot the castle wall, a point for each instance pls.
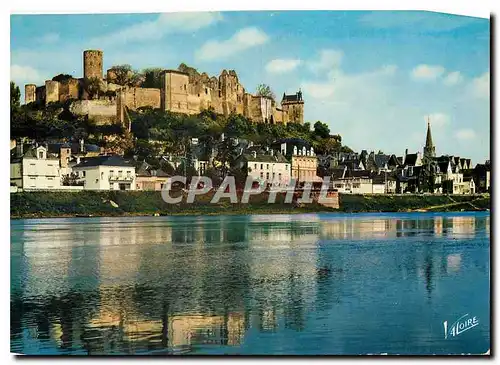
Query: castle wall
x: 99, y: 111
x: 175, y: 93
x: 231, y: 93
x: 279, y: 116
x: 40, y: 94
x: 51, y: 91
x: 29, y: 93
x: 136, y: 97
x: 92, y: 64
x: 69, y: 89
x: 260, y: 109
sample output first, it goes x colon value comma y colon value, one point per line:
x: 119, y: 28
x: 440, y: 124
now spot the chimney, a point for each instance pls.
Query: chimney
x: 19, y: 148
x: 81, y: 145
x: 406, y: 152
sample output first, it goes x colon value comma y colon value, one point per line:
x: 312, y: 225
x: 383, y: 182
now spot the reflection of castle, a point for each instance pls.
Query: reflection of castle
x: 182, y: 91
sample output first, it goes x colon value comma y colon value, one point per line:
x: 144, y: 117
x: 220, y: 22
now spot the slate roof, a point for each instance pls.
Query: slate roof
x: 109, y: 160
x: 443, y: 166
x: 145, y: 169
x: 75, y: 147
x: 411, y: 159
x: 277, y: 157
x: 381, y: 160
x: 292, y: 98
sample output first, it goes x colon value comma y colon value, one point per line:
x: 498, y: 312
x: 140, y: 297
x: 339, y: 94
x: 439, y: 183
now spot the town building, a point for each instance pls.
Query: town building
x: 34, y: 168
x: 109, y: 172
x: 149, y: 178
x: 300, y: 153
x: 269, y: 167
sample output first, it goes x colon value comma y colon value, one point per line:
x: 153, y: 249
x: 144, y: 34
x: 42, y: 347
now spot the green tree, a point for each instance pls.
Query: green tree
x: 93, y: 87
x: 62, y: 77
x: 265, y: 90
x: 15, y: 95
x: 152, y: 77
x: 321, y: 130
x: 124, y: 75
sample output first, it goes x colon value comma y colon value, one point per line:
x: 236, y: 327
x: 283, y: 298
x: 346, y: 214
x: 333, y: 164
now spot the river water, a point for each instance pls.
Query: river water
x: 242, y: 285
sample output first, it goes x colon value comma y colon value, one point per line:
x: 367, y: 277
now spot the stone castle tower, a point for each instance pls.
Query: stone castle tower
x: 293, y: 105
x: 92, y: 64
x: 29, y: 93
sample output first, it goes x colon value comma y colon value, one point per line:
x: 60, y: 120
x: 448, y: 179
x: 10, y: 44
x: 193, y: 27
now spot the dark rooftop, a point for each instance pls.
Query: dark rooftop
x: 109, y: 160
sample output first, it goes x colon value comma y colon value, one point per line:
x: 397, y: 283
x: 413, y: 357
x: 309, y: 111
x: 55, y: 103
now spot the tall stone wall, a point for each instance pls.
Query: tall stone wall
x: 51, y: 91
x: 175, y: 93
x: 92, y: 64
x: 260, y: 109
x: 29, y: 93
x: 136, y: 97
x: 40, y: 94
x: 69, y: 89
x: 98, y: 111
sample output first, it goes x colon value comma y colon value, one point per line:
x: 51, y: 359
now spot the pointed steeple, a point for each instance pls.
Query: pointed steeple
x: 429, y: 149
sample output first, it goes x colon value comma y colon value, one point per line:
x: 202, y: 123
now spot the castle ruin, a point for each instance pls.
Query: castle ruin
x: 184, y: 90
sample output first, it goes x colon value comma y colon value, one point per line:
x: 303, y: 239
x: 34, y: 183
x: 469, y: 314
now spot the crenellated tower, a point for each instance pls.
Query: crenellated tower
x: 293, y: 106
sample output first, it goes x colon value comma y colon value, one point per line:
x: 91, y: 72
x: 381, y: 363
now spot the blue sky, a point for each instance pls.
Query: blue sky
x: 373, y: 77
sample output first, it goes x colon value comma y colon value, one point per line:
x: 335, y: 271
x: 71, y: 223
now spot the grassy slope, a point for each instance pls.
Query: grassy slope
x: 53, y: 204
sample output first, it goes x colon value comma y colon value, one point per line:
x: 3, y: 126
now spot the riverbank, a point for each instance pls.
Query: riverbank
x: 148, y: 203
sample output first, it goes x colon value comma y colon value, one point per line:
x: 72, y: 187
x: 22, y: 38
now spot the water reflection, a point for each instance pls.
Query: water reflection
x: 217, y: 284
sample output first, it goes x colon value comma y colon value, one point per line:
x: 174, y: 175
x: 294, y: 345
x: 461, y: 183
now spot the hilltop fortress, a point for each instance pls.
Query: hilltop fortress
x: 184, y: 90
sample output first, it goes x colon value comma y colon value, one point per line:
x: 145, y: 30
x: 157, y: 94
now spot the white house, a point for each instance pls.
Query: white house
x: 106, y: 173
x: 271, y: 168
x: 35, y: 169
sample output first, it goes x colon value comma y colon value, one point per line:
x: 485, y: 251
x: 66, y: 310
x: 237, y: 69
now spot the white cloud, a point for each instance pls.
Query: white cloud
x: 465, y: 134
x: 438, y: 119
x: 282, y: 65
x: 167, y: 23
x: 49, y: 38
x: 481, y: 86
x: 328, y: 59
x: 349, y: 87
x: 427, y: 72
x: 25, y: 74
x: 453, y: 78
x: 243, y: 39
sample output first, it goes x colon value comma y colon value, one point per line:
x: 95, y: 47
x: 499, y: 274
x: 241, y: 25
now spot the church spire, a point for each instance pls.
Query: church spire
x: 429, y: 149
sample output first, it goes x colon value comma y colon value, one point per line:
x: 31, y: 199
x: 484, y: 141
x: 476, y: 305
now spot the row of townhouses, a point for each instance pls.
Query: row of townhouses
x: 80, y: 166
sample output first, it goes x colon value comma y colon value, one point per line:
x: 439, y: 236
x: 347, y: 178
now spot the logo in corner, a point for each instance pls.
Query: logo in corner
x: 464, y: 323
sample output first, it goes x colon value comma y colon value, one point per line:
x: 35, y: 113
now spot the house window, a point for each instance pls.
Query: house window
x: 267, y: 175
x: 50, y: 178
x: 274, y: 175
x: 267, y: 166
x: 102, y: 175
x: 286, y: 167
x: 261, y: 166
x: 40, y: 154
x: 128, y: 173
x: 255, y: 166
x: 111, y: 172
x: 83, y: 173
x: 279, y: 176
x: 120, y: 172
x: 179, y: 105
x: 97, y: 181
